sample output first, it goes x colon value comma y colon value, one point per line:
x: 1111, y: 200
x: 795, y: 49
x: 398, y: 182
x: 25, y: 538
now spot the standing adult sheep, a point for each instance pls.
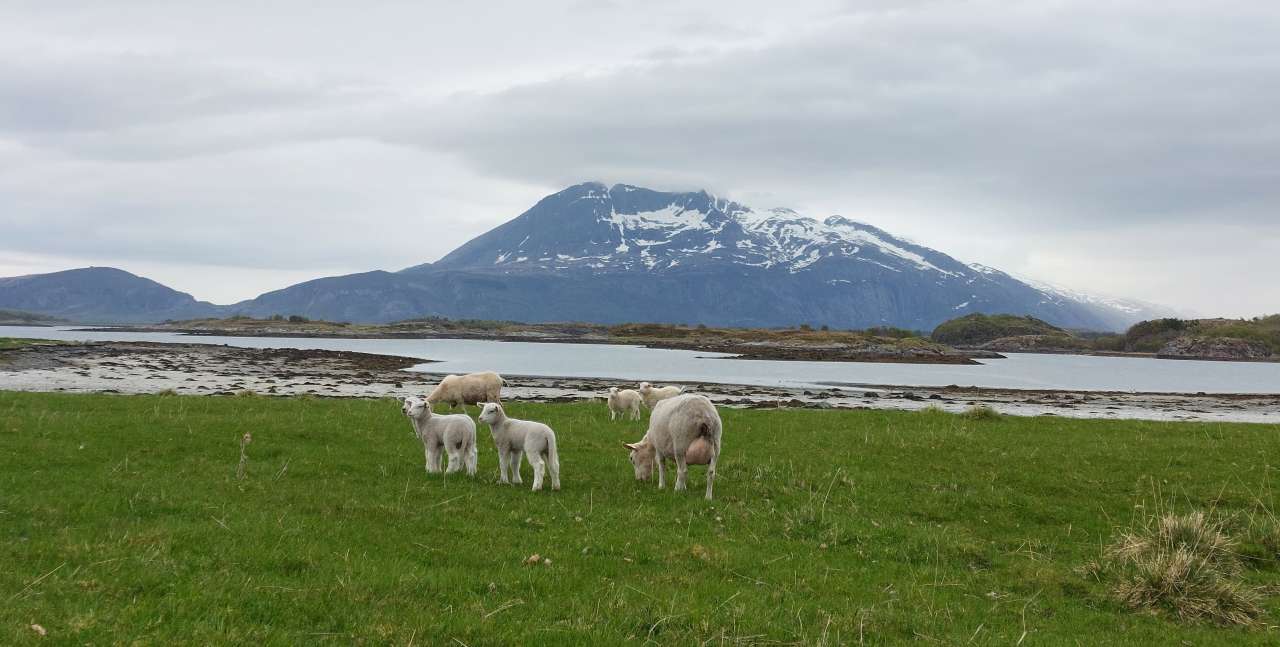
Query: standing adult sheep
x: 685, y: 428
x: 472, y: 388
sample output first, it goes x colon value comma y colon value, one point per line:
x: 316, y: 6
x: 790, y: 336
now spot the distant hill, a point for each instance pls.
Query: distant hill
x: 601, y: 254
x: 100, y: 295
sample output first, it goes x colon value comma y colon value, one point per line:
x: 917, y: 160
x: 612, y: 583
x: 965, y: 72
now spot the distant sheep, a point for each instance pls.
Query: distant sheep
x: 622, y: 402
x: 472, y: 388
x: 652, y: 396
x: 685, y: 428
x: 513, y: 438
x: 455, y: 434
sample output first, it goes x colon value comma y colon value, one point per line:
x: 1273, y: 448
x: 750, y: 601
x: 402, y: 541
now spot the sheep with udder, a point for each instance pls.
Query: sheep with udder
x: 472, y: 388
x: 514, y: 438
x: 685, y: 429
x: 455, y: 434
x: 652, y: 396
x: 623, y: 401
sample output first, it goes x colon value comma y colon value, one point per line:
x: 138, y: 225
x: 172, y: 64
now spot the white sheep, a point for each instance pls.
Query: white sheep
x: 472, y: 388
x: 455, y: 433
x: 652, y: 396
x: 622, y: 402
x: 685, y: 428
x: 514, y: 438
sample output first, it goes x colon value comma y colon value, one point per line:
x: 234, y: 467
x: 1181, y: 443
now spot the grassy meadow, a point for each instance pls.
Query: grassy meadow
x: 122, y: 520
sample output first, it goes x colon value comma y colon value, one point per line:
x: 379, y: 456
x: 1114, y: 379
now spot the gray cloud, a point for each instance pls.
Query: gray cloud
x: 1097, y: 146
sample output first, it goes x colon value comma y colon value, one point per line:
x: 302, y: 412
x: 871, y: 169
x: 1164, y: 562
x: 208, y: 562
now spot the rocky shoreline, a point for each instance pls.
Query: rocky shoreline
x: 199, y: 369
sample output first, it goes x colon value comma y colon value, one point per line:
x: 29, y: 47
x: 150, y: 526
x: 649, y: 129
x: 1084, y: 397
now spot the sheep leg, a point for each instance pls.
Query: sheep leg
x: 536, y: 463
x: 433, y: 459
x: 472, y: 459
x: 711, y: 471
x: 515, y: 467
x: 682, y: 471
x: 503, y: 459
x: 612, y: 413
x: 553, y: 466
x: 455, y: 461
x: 662, y: 470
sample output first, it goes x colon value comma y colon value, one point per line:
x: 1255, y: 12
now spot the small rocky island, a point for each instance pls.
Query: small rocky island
x: 1256, y: 339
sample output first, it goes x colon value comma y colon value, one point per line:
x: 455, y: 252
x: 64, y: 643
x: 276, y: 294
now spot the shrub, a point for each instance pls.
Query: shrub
x: 1183, y: 565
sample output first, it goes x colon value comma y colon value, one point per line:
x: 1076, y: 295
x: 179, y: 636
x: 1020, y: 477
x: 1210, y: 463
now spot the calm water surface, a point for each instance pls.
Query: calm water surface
x: 1019, y: 371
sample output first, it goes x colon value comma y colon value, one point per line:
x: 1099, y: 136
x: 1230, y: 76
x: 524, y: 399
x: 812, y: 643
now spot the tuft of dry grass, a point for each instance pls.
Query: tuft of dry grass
x: 1184, y: 565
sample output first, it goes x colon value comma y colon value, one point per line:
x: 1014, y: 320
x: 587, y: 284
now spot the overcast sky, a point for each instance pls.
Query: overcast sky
x: 229, y: 148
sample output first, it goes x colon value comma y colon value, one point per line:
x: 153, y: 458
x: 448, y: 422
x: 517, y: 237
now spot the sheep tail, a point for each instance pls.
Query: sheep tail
x: 553, y: 455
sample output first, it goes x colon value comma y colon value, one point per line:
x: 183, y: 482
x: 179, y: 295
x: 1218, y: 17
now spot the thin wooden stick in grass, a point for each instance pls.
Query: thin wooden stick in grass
x: 244, y: 457
x: 37, y: 581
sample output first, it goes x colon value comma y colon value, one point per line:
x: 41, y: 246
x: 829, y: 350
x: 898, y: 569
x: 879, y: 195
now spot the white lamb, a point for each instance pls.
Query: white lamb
x: 514, y: 438
x: 685, y: 428
x: 472, y: 388
x: 652, y: 396
x: 455, y: 433
x: 622, y: 402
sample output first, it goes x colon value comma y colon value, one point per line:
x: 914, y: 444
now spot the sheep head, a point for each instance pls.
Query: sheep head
x: 642, y: 459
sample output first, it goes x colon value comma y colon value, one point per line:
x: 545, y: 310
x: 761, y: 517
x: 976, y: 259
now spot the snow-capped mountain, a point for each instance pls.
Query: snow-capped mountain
x: 630, y: 228
x: 728, y: 263
x: 624, y: 253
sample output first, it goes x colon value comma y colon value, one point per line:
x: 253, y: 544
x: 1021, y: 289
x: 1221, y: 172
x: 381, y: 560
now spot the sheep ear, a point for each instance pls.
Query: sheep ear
x: 631, y: 446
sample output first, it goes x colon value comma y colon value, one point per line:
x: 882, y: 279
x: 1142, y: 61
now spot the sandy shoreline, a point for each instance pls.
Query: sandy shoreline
x: 198, y: 369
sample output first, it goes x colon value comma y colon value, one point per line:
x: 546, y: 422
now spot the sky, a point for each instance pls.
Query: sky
x: 1125, y: 148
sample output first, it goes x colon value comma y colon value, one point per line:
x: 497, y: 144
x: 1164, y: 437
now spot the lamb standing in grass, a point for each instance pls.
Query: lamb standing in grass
x: 472, y: 388
x: 685, y: 428
x: 514, y: 438
x: 622, y: 402
x: 455, y: 434
x: 652, y: 396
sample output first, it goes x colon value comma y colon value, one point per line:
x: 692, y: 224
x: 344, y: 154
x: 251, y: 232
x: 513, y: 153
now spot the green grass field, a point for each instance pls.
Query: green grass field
x: 122, y: 521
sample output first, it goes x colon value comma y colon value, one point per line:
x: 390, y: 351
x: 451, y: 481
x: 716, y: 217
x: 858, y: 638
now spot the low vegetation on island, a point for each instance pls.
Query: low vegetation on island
x: 24, y: 318
x: 1226, y: 339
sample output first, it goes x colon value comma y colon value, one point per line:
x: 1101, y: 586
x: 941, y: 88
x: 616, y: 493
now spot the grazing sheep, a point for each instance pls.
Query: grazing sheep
x: 514, y: 438
x: 685, y: 428
x: 623, y: 401
x: 472, y: 388
x: 456, y: 434
x: 652, y: 396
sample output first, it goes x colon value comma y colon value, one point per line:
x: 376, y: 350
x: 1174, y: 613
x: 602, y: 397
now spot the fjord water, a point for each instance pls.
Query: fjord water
x: 634, y: 363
